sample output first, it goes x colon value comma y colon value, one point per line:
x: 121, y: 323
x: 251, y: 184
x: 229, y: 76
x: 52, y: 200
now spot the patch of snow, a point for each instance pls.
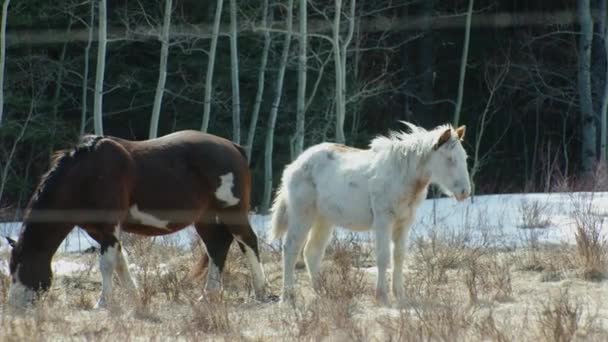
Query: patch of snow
x: 64, y: 267
x: 493, y: 218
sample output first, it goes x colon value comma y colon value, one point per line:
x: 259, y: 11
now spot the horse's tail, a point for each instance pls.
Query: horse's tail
x: 278, y: 222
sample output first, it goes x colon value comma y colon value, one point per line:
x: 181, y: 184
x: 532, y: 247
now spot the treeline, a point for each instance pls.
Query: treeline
x: 277, y: 76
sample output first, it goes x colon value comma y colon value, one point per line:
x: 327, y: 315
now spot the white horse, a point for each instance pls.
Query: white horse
x: 379, y: 188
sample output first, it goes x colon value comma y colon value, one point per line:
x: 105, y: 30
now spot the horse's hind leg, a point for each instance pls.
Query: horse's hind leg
x: 217, y: 242
x: 318, y: 238
x: 239, y: 227
x: 299, y: 225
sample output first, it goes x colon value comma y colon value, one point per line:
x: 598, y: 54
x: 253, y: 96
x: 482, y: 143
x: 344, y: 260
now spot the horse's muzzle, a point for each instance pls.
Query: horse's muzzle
x: 462, y: 196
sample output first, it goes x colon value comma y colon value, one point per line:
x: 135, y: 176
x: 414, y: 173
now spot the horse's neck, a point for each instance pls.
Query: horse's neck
x: 43, y: 238
x: 405, y: 169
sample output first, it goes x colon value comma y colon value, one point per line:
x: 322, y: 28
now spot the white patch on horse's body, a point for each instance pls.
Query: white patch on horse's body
x: 148, y: 219
x: 392, y: 179
x: 224, y: 191
x: 19, y: 295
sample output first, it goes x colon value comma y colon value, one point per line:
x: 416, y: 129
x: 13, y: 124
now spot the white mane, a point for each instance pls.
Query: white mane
x: 418, y: 142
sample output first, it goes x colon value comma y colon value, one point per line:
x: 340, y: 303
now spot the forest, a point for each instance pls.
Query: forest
x: 527, y: 77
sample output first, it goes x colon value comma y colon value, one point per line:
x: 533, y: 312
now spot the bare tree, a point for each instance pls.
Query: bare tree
x: 101, y: 66
x: 584, y: 86
x: 211, y: 65
x: 340, y: 108
x: 3, y: 54
x: 162, y: 69
x: 261, y: 77
x: 493, y: 83
x: 274, y: 110
x: 463, y: 63
x: 298, y: 145
x: 85, y: 74
x: 234, y: 75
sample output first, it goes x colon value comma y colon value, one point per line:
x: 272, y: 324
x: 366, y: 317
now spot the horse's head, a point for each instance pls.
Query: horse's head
x: 30, y: 274
x: 448, y: 163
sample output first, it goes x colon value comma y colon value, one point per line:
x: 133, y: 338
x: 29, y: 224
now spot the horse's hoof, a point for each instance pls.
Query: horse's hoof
x: 381, y: 298
x: 272, y: 298
x: 100, y: 305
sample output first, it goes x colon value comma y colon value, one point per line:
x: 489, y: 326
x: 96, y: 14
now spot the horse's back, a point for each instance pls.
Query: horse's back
x: 188, y: 171
x: 333, y: 179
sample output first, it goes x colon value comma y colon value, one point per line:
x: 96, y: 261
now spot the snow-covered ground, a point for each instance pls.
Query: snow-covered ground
x: 496, y: 220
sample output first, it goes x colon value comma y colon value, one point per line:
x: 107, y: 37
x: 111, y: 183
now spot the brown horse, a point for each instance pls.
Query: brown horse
x: 155, y: 187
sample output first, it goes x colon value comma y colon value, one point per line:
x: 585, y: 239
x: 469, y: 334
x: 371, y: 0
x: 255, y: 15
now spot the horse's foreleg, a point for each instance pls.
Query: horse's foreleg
x: 108, y: 259
x: 400, y: 232
x: 315, y: 249
x: 122, y: 270
x: 382, y: 247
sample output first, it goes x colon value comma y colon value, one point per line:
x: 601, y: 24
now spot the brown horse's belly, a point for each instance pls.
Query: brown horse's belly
x: 141, y: 229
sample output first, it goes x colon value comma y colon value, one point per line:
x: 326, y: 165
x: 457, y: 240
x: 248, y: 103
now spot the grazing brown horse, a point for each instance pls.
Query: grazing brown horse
x: 155, y: 187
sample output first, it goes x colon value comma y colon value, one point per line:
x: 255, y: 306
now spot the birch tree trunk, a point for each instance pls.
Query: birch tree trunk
x: 162, y: 70
x: 344, y: 53
x: 301, y: 101
x: 463, y: 64
x: 3, y: 54
x: 274, y: 110
x: 85, y: 74
x: 340, y: 110
x: 234, y: 75
x: 101, y: 66
x: 588, y: 154
x: 211, y: 65
x: 261, y: 78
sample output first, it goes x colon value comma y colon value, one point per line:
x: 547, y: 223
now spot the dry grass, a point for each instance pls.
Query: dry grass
x: 456, y: 291
x: 591, y: 241
x: 533, y: 214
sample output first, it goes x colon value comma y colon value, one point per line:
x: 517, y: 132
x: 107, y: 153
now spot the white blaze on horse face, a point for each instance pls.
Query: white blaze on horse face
x: 224, y: 191
x: 148, y: 219
x: 19, y: 295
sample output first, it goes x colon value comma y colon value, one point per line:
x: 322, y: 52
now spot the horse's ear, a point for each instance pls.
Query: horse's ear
x: 445, y: 136
x: 460, y: 132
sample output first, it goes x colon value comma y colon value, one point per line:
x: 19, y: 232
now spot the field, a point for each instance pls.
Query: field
x: 500, y: 268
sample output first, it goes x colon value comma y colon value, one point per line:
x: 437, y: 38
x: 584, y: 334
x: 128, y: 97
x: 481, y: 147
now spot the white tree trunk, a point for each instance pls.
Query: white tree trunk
x: 301, y: 101
x: 101, y: 66
x: 588, y: 154
x: 85, y: 74
x: 463, y: 64
x: 3, y: 54
x: 274, y: 110
x: 234, y: 75
x: 340, y: 110
x: 211, y: 65
x: 162, y: 70
x: 344, y: 54
x: 261, y: 78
